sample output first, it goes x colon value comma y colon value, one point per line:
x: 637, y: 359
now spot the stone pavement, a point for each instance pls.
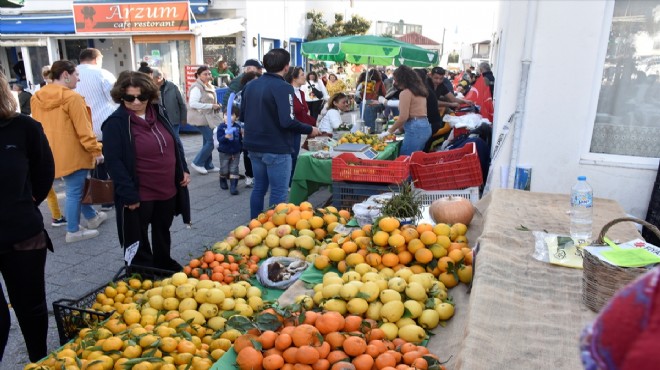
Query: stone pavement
x: 78, y: 268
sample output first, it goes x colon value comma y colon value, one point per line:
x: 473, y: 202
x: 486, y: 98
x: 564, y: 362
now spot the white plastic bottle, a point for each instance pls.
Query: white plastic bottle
x: 581, y: 209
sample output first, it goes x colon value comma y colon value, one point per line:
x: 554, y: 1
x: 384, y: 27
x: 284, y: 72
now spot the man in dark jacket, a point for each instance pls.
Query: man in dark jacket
x: 270, y: 127
x: 171, y: 100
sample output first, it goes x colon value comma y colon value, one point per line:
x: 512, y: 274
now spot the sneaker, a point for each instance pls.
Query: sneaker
x: 94, y: 223
x: 107, y: 207
x: 81, y: 234
x: 59, y: 222
x: 199, y: 169
x: 249, y: 182
x: 214, y: 169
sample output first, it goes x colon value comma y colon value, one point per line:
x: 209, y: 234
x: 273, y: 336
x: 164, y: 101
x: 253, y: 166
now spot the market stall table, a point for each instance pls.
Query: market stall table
x: 312, y: 173
x: 523, y: 313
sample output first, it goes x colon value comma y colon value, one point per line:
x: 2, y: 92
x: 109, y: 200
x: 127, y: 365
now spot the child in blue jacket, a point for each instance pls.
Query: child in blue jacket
x: 229, y: 144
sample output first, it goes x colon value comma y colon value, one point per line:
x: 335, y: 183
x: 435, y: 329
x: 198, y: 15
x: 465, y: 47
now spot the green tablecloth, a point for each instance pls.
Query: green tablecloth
x: 312, y: 173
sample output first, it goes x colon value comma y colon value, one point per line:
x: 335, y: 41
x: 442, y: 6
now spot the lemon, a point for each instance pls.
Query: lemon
x: 331, y: 290
x: 414, y: 307
x: 390, y: 329
x: 357, y: 306
x: 179, y: 279
x: 412, y: 333
x: 370, y: 291
x: 389, y: 295
x: 429, y: 319
x: 392, y: 311
x: 416, y: 291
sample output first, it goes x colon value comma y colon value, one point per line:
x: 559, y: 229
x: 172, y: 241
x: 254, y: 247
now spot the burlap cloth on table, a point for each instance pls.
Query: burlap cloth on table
x: 523, y: 313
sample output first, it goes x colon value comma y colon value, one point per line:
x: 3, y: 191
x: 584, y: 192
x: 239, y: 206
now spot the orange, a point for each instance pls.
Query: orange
x: 307, y: 355
x: 423, y: 255
x: 249, y: 359
x: 357, y: 233
x: 354, y: 346
x: 468, y: 258
x: 380, y: 238
x: 353, y: 323
x: 384, y: 360
x: 396, y: 241
x: 443, y: 263
x: 428, y: 237
x: 335, y: 339
x: 349, y: 247
x: 388, y: 224
x: 290, y: 355
x: 323, y: 350
x: 414, y: 245
x: 373, y: 259
x: 390, y: 259
x: 283, y: 341
x: 409, y: 233
x: 424, y: 227
x: 273, y: 362
x: 456, y: 255
x: 363, y: 362
x: 448, y: 279
x: 305, y: 335
x: 322, y: 364
x: 405, y: 257
x: 465, y: 274
x: 336, y: 356
x: 267, y: 339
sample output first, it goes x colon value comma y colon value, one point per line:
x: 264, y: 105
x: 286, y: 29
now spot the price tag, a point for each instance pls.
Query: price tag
x: 130, y: 252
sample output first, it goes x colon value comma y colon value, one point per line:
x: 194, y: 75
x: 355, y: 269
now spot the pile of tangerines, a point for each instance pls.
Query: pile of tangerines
x: 223, y: 267
x: 329, y: 341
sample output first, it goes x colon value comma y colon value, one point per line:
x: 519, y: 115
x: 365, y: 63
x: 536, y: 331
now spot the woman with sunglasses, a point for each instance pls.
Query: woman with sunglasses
x: 204, y: 113
x: 146, y: 162
x: 68, y: 125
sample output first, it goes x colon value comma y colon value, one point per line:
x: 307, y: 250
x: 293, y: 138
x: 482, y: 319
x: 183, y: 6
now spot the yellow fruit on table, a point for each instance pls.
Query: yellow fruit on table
x: 357, y: 306
x: 373, y: 312
x: 429, y: 319
x: 336, y: 305
x: 445, y: 311
x: 390, y: 329
x: 392, y: 311
x: 412, y: 333
x: 389, y: 295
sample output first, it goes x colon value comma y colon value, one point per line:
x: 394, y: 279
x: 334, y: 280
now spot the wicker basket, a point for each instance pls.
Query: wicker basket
x: 601, y: 280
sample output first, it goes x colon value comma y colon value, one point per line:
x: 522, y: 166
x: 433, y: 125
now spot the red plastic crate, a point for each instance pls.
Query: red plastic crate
x: 348, y: 167
x: 452, y: 169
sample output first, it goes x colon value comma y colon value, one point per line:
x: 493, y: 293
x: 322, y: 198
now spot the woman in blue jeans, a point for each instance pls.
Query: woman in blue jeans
x: 204, y: 113
x: 412, y: 111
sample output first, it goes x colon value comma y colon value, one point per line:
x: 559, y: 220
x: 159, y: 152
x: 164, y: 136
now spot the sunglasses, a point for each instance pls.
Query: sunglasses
x: 131, y: 98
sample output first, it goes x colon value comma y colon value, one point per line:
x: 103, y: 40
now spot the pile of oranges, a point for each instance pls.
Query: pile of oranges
x: 222, y: 267
x: 329, y: 341
x: 442, y: 250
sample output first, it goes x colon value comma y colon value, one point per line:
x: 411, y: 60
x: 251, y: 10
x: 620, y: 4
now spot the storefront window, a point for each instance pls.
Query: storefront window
x: 72, y: 49
x: 170, y: 57
x: 628, y: 114
x: 220, y: 48
x: 38, y: 59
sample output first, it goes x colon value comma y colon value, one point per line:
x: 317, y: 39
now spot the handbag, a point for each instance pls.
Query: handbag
x: 98, y: 191
x: 318, y: 94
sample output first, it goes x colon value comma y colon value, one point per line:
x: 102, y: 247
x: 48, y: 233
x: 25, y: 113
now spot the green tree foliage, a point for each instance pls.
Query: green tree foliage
x: 319, y: 29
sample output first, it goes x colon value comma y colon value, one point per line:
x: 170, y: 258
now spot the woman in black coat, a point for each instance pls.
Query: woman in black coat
x: 147, y: 165
x: 26, y: 175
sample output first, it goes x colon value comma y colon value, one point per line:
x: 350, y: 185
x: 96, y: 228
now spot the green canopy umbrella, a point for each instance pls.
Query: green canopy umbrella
x: 369, y: 50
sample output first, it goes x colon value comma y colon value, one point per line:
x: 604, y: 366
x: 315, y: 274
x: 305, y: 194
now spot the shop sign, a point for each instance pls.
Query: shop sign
x: 190, y: 78
x: 131, y: 17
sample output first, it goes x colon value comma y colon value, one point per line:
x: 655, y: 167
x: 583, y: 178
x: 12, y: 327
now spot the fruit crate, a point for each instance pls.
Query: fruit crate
x: 452, y: 169
x: 348, y: 167
x: 72, y: 315
x: 428, y: 196
x: 346, y: 194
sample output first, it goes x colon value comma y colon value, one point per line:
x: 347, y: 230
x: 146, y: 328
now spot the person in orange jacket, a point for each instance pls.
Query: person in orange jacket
x: 68, y: 126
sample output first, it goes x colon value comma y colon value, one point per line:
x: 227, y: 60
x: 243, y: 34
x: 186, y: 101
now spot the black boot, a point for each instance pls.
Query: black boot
x: 233, y: 183
x: 223, y: 183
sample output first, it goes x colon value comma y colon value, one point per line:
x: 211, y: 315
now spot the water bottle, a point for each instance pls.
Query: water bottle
x: 581, y: 209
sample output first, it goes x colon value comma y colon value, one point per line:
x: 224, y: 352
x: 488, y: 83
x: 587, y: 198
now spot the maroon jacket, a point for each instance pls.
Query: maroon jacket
x: 301, y: 110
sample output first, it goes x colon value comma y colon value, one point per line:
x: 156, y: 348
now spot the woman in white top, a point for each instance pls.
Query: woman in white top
x: 332, y: 119
x: 315, y: 103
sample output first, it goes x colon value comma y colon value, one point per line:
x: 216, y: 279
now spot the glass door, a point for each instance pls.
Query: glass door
x: 168, y: 56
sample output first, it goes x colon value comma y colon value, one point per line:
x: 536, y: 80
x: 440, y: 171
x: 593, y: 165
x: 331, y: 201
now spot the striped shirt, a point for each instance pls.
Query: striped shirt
x: 95, y: 85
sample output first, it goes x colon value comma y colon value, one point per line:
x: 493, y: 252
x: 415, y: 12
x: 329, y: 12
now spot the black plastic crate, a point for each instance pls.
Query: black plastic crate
x: 72, y: 315
x: 345, y: 194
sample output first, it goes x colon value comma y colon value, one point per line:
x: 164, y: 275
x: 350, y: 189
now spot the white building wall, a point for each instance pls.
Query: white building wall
x: 567, y: 59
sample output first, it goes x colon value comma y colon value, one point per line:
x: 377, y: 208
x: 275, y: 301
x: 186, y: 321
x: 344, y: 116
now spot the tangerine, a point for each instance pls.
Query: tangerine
x: 355, y: 346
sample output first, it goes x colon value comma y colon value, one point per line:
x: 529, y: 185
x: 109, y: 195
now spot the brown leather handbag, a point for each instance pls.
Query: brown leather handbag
x: 98, y: 191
